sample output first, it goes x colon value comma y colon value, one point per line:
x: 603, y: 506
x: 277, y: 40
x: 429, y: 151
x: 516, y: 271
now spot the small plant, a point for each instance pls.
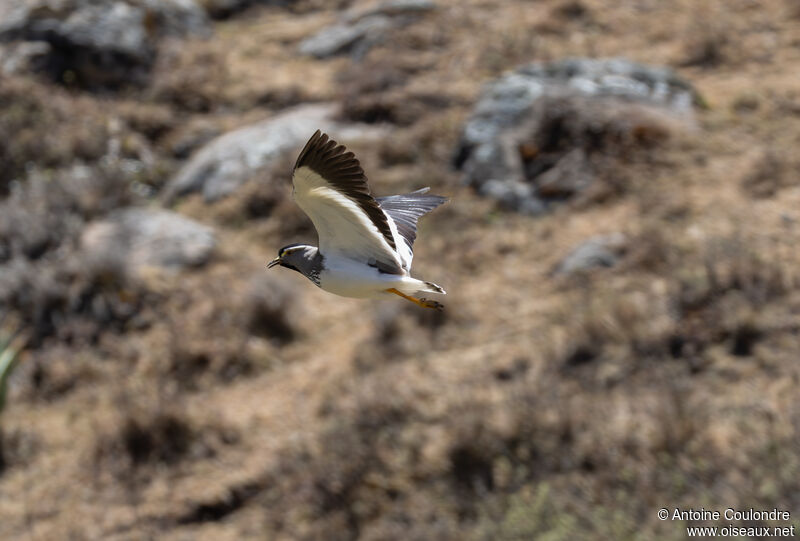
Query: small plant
x: 10, y: 347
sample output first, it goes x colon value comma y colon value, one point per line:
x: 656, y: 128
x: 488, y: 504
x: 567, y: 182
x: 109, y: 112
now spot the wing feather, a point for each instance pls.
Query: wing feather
x: 405, y: 210
x: 331, y: 188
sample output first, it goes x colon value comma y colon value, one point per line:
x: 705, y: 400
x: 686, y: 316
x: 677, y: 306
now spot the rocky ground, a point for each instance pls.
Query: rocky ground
x: 622, y: 324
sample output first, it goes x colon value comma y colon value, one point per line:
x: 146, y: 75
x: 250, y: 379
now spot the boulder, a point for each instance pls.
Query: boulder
x: 542, y: 124
x: 358, y: 30
x: 224, y: 164
x: 97, y: 44
x: 22, y: 57
x: 596, y: 252
x: 176, y: 18
x: 355, y: 37
x: 516, y: 196
x: 133, y: 239
x: 392, y: 8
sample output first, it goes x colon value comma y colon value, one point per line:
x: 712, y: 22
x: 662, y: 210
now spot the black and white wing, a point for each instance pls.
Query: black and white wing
x: 405, y: 210
x: 331, y: 188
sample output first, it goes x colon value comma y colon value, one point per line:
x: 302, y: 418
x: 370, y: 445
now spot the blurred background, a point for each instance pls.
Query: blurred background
x: 620, y: 251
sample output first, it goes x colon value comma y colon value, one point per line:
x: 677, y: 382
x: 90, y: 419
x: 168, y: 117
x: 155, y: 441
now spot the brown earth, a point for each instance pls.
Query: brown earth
x: 535, y: 406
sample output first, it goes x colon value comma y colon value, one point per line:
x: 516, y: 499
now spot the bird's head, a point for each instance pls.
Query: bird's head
x: 291, y: 256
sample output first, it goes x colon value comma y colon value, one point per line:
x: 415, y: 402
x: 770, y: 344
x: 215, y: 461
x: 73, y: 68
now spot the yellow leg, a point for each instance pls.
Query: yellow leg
x: 425, y: 303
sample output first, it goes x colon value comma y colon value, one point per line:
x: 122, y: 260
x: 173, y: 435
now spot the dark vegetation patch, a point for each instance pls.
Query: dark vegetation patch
x: 767, y: 173
x: 263, y: 205
x: 270, y: 309
x: 257, y: 200
x: 350, y: 476
x: 164, y: 438
x: 44, y: 278
x: 572, y: 9
x: 195, y: 362
x: 401, y: 108
x: 225, y: 9
x: 375, y: 91
x: 85, y: 68
x: 581, y: 149
x: 400, y: 332
x: 142, y: 438
x: 720, y: 295
x: 266, y: 316
x: 708, y: 40
x: 513, y: 370
x: 190, y: 79
x: 251, y: 323
x: 237, y: 497
x: 659, y: 366
x: 343, y: 476
x: 18, y: 448
x: 54, y: 372
x: 46, y: 126
x: 151, y: 120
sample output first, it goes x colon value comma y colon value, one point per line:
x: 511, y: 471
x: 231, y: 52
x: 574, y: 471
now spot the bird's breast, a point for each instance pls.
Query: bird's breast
x: 355, y: 279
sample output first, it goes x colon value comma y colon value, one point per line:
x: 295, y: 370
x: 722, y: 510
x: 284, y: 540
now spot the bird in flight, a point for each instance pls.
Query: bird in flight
x: 365, y: 243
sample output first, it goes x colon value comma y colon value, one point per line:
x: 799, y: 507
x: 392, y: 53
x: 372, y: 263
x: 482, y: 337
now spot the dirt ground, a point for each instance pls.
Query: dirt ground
x: 536, y: 406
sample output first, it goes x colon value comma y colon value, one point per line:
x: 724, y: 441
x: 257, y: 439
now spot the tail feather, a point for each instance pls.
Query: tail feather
x: 434, y: 288
x: 412, y: 286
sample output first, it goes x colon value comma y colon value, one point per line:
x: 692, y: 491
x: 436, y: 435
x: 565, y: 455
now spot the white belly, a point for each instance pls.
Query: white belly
x: 350, y: 278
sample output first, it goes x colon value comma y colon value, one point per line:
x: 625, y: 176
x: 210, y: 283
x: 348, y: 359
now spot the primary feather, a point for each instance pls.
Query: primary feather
x: 405, y: 210
x: 331, y: 188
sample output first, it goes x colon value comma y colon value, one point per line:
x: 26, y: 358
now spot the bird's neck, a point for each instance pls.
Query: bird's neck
x: 313, y: 262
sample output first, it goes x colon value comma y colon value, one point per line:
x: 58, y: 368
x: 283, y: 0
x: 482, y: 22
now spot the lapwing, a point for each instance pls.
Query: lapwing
x: 365, y: 243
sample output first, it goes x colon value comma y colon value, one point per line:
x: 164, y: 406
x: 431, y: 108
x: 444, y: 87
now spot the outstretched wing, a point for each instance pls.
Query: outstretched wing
x: 405, y: 210
x: 331, y: 188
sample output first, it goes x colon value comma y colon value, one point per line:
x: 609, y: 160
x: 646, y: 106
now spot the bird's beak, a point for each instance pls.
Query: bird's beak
x: 274, y: 262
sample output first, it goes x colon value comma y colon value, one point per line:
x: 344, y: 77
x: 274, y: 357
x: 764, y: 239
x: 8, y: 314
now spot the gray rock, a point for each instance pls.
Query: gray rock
x: 176, y: 18
x: 224, y: 164
x: 21, y: 57
x: 596, y: 252
x: 560, y: 112
x: 102, y: 43
x: 617, y: 77
x: 112, y: 27
x: 392, y: 8
x: 360, y: 29
x: 357, y: 37
x: 135, y: 238
x: 516, y: 196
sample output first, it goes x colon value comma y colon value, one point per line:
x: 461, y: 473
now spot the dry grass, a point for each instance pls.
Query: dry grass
x: 230, y: 403
x: 45, y: 126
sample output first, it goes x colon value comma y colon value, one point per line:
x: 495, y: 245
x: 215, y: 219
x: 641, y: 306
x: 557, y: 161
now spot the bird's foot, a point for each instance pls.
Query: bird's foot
x: 427, y: 303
